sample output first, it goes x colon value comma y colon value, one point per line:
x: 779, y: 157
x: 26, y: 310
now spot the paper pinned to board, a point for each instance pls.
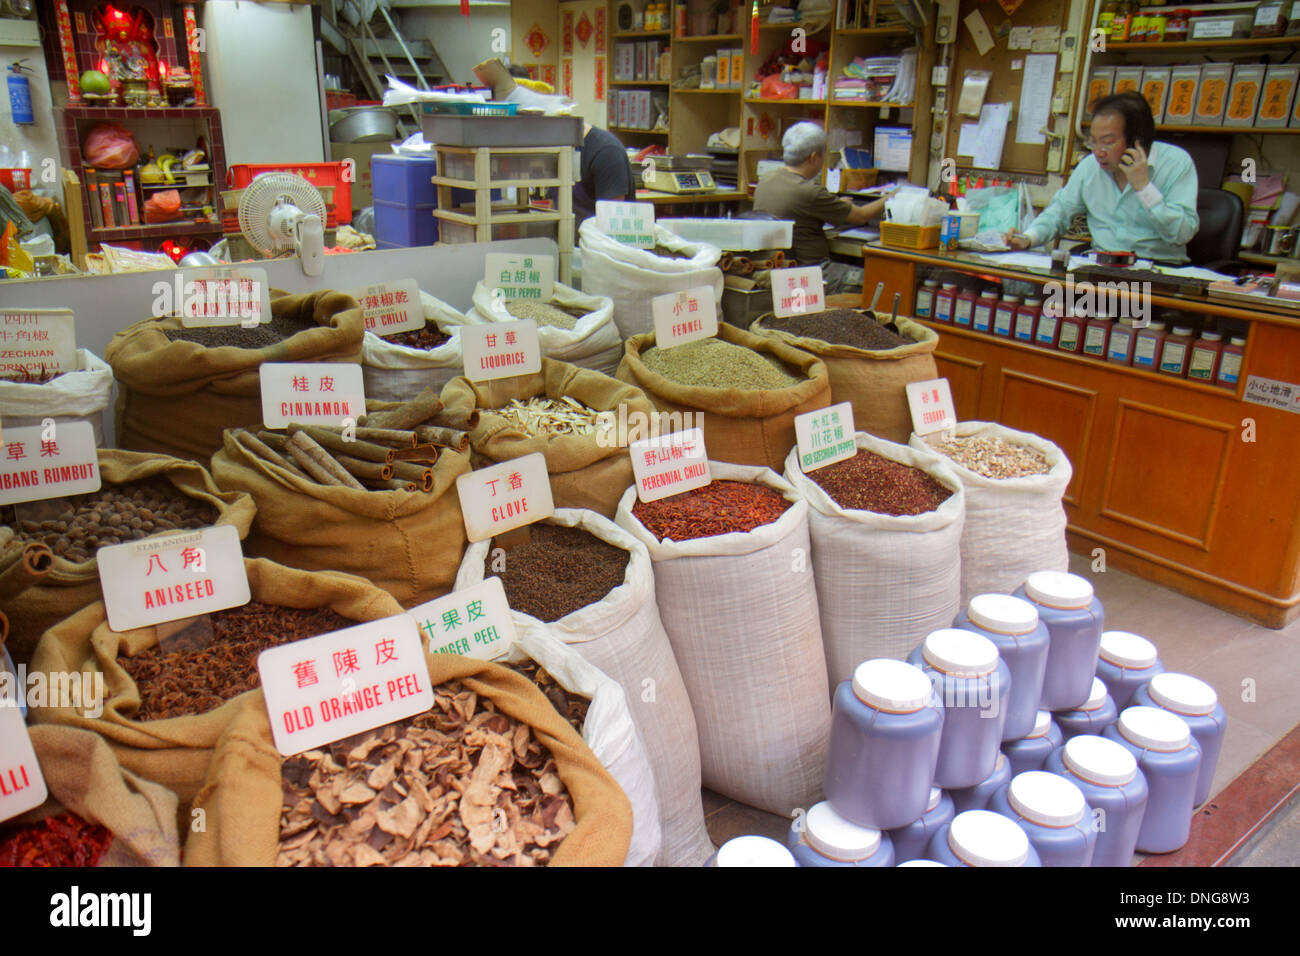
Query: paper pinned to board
x: 990, y: 133
x: 966, y: 139
x: 979, y: 32
x: 1036, y: 85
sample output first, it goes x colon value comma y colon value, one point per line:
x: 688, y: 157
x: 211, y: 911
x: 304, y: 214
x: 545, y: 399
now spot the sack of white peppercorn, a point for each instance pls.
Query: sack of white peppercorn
x: 165, y: 702
x: 748, y: 408
x: 142, y: 495
x: 886, y: 549
x: 179, y: 389
x: 1015, y: 520
x: 740, y: 609
x: 492, y: 775
x: 554, y: 412
x: 573, y: 327
x: 396, y: 367
x: 79, y: 395
x: 618, y: 631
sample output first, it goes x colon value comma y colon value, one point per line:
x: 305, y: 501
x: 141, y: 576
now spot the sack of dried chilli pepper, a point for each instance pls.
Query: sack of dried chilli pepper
x: 142, y: 495
x: 583, y: 593
x: 179, y: 389
x: 192, y: 685
x: 79, y: 395
x: 574, y: 327
x: 397, y: 367
x: 1015, y: 518
x: 97, y: 814
x: 886, y: 549
x: 740, y: 608
x: 263, y: 809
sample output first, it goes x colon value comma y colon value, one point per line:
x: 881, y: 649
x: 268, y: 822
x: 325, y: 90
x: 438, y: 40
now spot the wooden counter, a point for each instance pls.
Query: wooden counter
x: 1183, y: 483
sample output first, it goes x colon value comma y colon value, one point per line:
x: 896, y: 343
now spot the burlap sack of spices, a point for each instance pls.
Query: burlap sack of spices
x: 874, y: 382
x: 744, y: 426
x: 84, y: 777
x: 174, y: 751
x: 243, y: 795
x: 407, y: 542
x: 71, y: 585
x: 178, y: 397
x: 587, y: 471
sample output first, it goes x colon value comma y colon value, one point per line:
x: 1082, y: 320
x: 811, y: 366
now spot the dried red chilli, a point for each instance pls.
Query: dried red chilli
x: 720, y: 507
x: 62, y: 840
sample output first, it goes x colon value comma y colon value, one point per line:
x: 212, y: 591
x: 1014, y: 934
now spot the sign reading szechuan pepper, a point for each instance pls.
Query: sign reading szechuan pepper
x: 48, y: 461
x: 500, y: 349
x: 36, y: 341
x: 473, y: 622
x: 506, y: 496
x: 520, y: 276
x: 669, y: 464
x: 798, y: 291
x: 390, y: 307
x: 825, y: 436
x: 682, y: 317
x: 22, y: 786
x: 311, y: 393
x: 631, y: 223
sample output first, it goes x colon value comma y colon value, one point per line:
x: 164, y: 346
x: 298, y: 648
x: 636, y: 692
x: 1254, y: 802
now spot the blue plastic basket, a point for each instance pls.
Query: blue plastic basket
x: 473, y: 109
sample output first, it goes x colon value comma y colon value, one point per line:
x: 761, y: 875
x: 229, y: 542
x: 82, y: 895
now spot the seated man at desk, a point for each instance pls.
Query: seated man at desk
x: 794, y: 192
x: 1139, y: 195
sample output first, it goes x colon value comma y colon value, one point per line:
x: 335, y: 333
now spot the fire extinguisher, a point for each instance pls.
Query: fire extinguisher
x: 20, y: 95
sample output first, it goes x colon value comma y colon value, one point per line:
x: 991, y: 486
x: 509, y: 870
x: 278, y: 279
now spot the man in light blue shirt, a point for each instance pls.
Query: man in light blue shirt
x: 1139, y: 195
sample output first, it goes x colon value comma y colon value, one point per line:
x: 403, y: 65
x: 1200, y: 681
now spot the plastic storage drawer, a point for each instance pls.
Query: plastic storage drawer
x: 508, y: 166
x: 404, y: 180
x: 400, y: 225
x: 457, y: 232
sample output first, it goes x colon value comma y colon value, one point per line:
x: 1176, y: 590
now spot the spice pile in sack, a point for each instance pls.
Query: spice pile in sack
x: 871, y: 482
x: 720, y: 507
x: 558, y: 571
x: 839, y: 327
x: 61, y: 840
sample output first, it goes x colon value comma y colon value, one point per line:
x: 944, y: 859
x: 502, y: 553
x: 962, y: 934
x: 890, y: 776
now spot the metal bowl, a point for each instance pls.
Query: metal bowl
x: 363, y: 124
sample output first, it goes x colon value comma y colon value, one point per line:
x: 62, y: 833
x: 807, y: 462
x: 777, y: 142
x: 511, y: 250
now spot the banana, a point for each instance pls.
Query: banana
x: 165, y: 163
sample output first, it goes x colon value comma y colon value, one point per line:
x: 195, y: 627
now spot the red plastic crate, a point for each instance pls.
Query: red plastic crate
x: 16, y: 180
x: 339, y: 101
x: 318, y: 174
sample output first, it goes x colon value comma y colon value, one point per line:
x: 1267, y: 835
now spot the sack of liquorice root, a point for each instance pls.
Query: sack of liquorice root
x: 572, y: 327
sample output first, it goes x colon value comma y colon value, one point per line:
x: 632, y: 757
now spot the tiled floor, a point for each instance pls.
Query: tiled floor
x: 1254, y: 670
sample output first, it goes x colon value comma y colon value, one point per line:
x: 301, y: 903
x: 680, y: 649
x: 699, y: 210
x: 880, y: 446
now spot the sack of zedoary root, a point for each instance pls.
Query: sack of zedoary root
x: 742, y: 389
x: 555, y: 412
x: 491, y: 776
x: 165, y: 704
x: 179, y: 389
x: 142, y: 495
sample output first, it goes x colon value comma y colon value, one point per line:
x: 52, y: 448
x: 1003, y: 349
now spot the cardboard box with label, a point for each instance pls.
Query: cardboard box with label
x: 1279, y: 92
x: 1101, y: 84
x: 1128, y: 78
x: 360, y: 153
x: 1155, y: 90
x: 1243, y: 95
x: 1213, y: 94
x: 1180, y: 107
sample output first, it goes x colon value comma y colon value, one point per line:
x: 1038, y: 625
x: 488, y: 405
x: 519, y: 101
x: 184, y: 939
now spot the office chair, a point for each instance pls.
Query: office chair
x: 1218, y: 240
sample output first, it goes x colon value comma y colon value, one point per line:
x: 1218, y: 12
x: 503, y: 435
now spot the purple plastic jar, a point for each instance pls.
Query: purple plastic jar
x: 978, y: 796
x: 910, y: 841
x: 1031, y: 752
x: 1054, y: 815
x: 1124, y: 663
x: 1114, y: 787
x: 982, y: 838
x: 1196, y: 702
x: 1068, y: 607
x: 1013, y: 626
x: 1170, y: 758
x: 1097, y: 713
x: 824, y: 838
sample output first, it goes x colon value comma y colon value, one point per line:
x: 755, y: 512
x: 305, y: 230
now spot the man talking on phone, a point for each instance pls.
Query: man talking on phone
x: 1139, y: 195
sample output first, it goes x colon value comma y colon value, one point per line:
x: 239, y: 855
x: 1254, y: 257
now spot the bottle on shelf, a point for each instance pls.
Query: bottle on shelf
x: 1176, y: 351
x: 925, y: 298
x: 1096, y: 338
x: 1147, y: 345
x: 984, y: 308
x: 1004, y: 316
x: 1119, y: 349
x: 943, y: 302
x: 963, y: 308
x: 1204, y: 363
x: 1230, y: 362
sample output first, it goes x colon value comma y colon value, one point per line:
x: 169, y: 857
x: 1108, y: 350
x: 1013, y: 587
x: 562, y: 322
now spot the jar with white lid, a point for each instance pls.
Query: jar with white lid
x: 921, y: 863
x: 1069, y: 609
x: 983, y: 838
x: 911, y: 841
x: 1109, y: 778
x: 1095, y: 714
x: 1196, y: 702
x: 1022, y: 640
x: 1054, y: 814
x: 756, y: 851
x: 824, y: 838
x: 1125, y: 662
x: 1170, y: 759
x: 978, y: 796
x: 973, y: 683
x: 1031, y: 751
x: 886, y: 727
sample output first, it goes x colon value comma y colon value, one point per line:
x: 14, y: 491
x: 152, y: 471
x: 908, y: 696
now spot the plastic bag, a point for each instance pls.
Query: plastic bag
x: 163, y: 206
x: 110, y: 146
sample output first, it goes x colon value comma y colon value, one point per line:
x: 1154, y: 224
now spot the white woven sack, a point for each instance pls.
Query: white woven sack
x: 593, y: 342
x: 397, y: 373
x: 632, y: 277
x: 741, y: 612
x: 623, y: 637
x: 1014, y: 526
x: 77, y: 396
x: 883, y: 581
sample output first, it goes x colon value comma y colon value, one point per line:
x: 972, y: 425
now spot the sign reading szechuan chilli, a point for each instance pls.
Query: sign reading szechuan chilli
x: 22, y: 786
x: 506, y: 496
x: 520, y: 276
x: 825, y: 436
x: 473, y: 622
x: 311, y: 393
x: 797, y: 291
x: 48, y: 461
x: 390, y: 307
x: 682, y: 317
x: 500, y: 349
x: 33, y: 341
x: 669, y: 464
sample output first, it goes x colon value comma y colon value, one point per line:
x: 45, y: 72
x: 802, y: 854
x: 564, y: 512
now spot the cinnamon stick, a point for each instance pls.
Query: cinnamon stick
x: 419, y: 409
x: 365, y: 470
x: 440, y: 435
x: 420, y: 454
x: 337, y: 444
x: 324, y: 459
x: 407, y: 471
x: 256, y: 446
x: 313, y: 468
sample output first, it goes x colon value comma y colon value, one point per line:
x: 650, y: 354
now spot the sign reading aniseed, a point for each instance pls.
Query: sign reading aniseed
x: 670, y: 464
x: 218, y: 295
x: 311, y: 393
x: 389, y: 307
x: 40, y: 461
x: 682, y: 317
x: 174, y: 576
x: 631, y: 223
x: 825, y: 436
x: 798, y: 291
x: 506, y: 496
x: 931, y: 405
x: 22, y: 786
x: 36, y: 342
x: 473, y: 622
x: 500, y: 350
x: 326, y: 688
x: 520, y: 276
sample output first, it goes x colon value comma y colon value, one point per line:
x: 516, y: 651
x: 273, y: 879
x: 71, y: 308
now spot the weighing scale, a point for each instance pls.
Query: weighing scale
x: 681, y: 174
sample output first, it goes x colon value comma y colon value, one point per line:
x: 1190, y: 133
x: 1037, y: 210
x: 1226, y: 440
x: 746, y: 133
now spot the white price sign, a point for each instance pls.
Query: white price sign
x: 631, y: 223
x: 825, y: 436
x: 219, y: 295
x: 39, y: 462
x: 473, y: 622
x: 931, y: 405
x: 389, y: 307
x: 36, y: 341
x: 22, y: 786
x: 520, y: 276
x: 682, y: 317
x: 500, y: 349
x: 174, y: 576
x: 669, y: 464
x: 506, y: 496
x: 797, y: 291
x: 311, y: 393
x: 322, y: 689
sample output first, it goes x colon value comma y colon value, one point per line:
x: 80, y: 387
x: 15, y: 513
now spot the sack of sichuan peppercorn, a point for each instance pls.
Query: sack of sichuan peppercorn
x: 398, y: 366
x: 734, y: 581
x: 165, y: 704
x: 142, y: 495
x: 179, y: 389
x: 97, y: 814
x: 79, y: 395
x: 886, y: 549
x: 491, y: 776
x: 585, y: 582
x: 573, y: 327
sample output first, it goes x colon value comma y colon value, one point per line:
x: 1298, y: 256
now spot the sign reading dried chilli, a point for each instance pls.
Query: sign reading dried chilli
x: 21, y: 785
x: 311, y: 393
x: 473, y: 622
x: 669, y: 464
x: 500, y: 349
x: 390, y: 307
x: 506, y: 496
x: 39, y: 462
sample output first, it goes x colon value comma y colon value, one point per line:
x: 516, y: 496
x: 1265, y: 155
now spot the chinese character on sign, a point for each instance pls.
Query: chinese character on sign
x: 191, y: 556
x: 510, y: 338
x: 516, y: 481
x: 327, y: 383
x: 493, y: 485
x: 475, y: 610
x: 305, y: 672
x: 155, y: 559
x: 491, y: 340
x: 345, y: 662
x: 49, y: 448
x: 650, y: 459
x: 299, y: 383
x: 385, y: 651
x: 14, y: 451
x: 450, y: 619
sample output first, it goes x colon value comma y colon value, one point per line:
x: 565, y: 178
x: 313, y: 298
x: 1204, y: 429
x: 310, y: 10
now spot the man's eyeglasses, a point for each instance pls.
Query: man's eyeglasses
x: 1095, y: 144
